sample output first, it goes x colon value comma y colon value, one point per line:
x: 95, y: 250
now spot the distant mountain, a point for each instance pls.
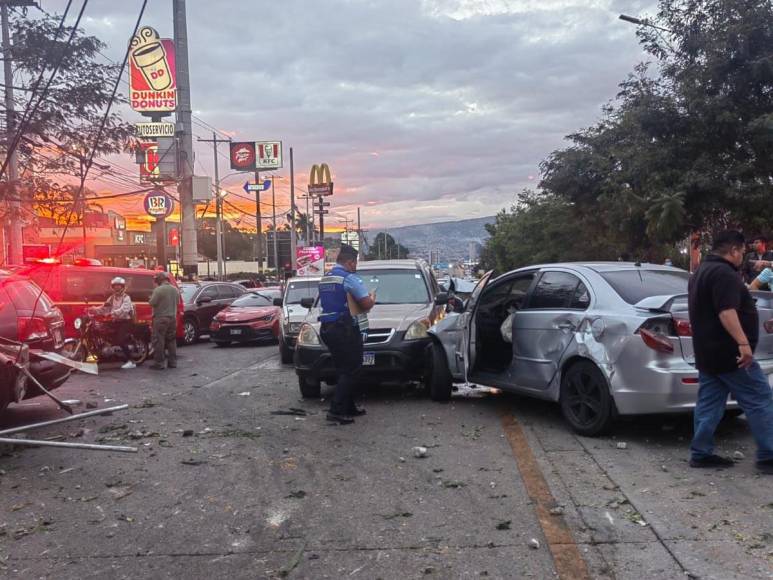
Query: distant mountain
x: 449, y: 241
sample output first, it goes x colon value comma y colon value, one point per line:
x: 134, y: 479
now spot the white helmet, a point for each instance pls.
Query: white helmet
x: 118, y: 280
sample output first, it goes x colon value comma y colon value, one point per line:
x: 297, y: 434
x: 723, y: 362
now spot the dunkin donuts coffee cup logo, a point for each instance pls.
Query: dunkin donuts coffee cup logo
x: 152, y: 82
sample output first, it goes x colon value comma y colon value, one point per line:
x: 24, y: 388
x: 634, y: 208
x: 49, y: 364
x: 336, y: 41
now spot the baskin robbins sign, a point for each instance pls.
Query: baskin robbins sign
x: 152, y: 76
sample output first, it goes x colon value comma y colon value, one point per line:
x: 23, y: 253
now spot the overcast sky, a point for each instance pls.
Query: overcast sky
x: 425, y: 110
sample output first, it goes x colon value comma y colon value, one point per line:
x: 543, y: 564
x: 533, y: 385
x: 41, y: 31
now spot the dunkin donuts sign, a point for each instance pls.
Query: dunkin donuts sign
x: 152, y: 79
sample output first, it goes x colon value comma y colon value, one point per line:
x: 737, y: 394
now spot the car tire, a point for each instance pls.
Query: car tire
x: 285, y: 353
x: 585, y: 400
x: 190, y: 331
x: 438, y: 380
x: 310, y: 388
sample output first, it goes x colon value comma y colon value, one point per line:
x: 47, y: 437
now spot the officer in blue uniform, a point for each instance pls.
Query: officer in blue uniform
x: 341, y: 331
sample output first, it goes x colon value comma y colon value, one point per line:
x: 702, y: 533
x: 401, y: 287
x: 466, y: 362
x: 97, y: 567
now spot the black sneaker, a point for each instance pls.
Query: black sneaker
x: 765, y: 466
x: 340, y: 419
x: 712, y: 461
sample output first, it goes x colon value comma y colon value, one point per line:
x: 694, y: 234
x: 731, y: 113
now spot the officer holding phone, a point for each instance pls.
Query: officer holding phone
x: 344, y: 300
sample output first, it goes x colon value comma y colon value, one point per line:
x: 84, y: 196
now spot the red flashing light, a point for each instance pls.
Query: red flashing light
x: 87, y: 262
x: 48, y: 261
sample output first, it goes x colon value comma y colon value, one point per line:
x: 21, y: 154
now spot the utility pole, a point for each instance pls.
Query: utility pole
x: 190, y: 253
x: 293, y: 240
x: 218, y: 204
x: 273, y: 208
x: 14, y: 202
x: 259, y: 222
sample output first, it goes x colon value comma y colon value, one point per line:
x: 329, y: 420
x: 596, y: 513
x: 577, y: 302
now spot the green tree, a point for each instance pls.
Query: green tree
x: 385, y: 247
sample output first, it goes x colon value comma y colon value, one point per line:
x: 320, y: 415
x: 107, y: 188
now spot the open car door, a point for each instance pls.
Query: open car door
x: 467, y: 324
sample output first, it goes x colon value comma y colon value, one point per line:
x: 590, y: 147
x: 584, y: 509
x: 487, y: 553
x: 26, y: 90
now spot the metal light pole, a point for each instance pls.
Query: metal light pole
x: 190, y: 253
x: 218, y: 213
x: 14, y: 222
x: 293, y: 240
x: 259, y: 224
x: 273, y: 209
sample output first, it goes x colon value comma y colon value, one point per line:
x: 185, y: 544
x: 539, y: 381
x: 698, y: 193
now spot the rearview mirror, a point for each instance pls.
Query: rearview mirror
x: 204, y: 300
x: 441, y: 299
x: 278, y: 302
x: 307, y: 303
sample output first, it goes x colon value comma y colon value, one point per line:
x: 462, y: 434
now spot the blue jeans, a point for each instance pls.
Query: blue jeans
x: 750, y: 388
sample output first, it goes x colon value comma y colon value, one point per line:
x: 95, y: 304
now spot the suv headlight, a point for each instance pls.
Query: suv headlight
x: 417, y: 330
x: 308, y: 336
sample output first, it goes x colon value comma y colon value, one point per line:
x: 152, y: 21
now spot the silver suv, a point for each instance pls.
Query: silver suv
x: 408, y: 303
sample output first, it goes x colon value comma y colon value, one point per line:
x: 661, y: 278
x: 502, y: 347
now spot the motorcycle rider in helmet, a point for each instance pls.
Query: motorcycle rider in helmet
x: 120, y: 308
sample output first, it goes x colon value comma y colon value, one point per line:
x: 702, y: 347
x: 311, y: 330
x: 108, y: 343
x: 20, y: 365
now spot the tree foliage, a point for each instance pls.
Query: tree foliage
x: 686, y: 145
x: 385, y: 247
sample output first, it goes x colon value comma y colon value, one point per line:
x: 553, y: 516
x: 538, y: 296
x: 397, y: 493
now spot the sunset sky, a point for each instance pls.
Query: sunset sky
x: 425, y: 110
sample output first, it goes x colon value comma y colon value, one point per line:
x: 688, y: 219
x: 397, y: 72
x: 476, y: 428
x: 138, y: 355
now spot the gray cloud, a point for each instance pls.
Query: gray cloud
x: 433, y: 109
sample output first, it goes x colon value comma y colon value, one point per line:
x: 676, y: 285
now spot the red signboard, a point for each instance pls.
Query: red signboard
x: 243, y: 156
x: 149, y: 170
x: 152, y: 77
x: 174, y: 237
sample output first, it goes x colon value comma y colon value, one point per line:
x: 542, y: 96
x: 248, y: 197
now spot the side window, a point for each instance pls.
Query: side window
x: 581, y: 298
x: 227, y: 292
x: 554, y: 290
x: 139, y: 288
x: 518, y: 291
x: 90, y: 286
x: 209, y: 291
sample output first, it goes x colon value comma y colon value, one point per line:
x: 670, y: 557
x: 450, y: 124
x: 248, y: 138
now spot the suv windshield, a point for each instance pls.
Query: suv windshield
x: 636, y: 285
x: 251, y: 299
x: 297, y: 290
x: 396, y: 286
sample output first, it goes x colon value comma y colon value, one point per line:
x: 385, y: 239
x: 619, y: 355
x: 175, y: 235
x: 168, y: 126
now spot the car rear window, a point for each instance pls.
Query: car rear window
x: 636, y: 285
x: 28, y: 296
x: 86, y: 286
x: 139, y: 287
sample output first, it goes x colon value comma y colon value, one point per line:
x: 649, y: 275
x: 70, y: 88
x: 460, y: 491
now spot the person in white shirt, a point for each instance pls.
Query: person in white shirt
x: 120, y: 308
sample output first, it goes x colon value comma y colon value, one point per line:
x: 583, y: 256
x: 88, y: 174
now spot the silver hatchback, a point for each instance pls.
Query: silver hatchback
x: 602, y: 339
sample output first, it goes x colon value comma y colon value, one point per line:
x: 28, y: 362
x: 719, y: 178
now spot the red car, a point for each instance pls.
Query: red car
x: 250, y: 318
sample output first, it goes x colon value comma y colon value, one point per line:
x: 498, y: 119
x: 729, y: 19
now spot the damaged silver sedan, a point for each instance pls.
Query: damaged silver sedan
x: 601, y: 339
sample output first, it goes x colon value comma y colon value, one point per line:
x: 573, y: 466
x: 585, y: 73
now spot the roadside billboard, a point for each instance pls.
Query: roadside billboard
x: 152, y: 76
x: 310, y: 261
x: 243, y: 156
x: 268, y: 155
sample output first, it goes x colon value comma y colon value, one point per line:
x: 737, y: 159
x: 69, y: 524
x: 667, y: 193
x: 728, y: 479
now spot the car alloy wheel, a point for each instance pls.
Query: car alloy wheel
x: 585, y: 400
x: 190, y: 331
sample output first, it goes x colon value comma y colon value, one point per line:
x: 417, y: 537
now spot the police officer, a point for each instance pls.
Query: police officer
x: 341, y: 331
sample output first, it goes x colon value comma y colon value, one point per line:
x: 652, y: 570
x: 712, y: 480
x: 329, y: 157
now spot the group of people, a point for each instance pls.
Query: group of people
x: 163, y: 301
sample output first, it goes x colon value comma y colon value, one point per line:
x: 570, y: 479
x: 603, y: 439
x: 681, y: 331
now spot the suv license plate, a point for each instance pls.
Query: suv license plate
x: 368, y: 359
x: 236, y: 331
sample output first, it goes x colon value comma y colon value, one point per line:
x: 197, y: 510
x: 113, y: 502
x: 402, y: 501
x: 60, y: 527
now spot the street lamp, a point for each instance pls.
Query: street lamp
x: 643, y: 22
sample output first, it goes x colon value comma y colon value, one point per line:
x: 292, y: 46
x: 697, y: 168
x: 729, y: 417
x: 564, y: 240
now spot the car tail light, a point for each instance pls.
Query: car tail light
x: 656, y: 341
x: 31, y: 328
x: 215, y: 325
x: 690, y: 381
x: 768, y: 324
x: 682, y: 327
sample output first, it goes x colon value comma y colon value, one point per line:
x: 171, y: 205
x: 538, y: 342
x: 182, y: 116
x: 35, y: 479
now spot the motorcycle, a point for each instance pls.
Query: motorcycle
x: 96, y: 340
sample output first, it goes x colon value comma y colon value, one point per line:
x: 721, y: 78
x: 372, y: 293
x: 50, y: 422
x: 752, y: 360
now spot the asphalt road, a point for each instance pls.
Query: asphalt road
x: 238, y: 477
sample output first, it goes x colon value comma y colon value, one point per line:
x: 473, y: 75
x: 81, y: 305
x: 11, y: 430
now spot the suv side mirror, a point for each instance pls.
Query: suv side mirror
x: 441, y: 299
x: 307, y: 303
x: 204, y: 300
x: 278, y: 302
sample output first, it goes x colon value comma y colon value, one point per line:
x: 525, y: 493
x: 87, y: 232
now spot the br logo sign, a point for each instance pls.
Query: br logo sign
x: 158, y: 204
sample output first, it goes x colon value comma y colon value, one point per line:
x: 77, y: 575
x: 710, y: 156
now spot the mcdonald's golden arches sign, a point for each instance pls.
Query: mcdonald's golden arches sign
x: 320, y: 182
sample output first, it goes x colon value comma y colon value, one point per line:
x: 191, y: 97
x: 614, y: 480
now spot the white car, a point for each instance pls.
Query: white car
x: 293, y: 314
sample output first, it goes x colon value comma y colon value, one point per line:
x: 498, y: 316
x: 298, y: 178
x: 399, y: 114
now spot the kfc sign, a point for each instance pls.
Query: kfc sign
x: 243, y: 156
x: 152, y: 77
x: 269, y: 155
x: 148, y: 158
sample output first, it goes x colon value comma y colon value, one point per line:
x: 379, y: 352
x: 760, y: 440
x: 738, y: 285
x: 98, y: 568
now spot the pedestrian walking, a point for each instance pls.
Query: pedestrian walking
x: 725, y: 328
x: 345, y: 302
x: 164, y: 302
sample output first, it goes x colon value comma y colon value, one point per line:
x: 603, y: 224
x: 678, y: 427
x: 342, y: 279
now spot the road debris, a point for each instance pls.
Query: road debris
x: 557, y: 511
x: 738, y: 455
x: 419, y: 452
x: 292, y: 411
x: 534, y: 544
x: 505, y: 525
x: 622, y: 445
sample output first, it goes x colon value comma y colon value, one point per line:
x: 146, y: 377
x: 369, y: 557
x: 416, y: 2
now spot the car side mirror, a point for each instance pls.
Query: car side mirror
x: 278, y: 302
x: 307, y: 303
x: 441, y: 299
x: 204, y: 300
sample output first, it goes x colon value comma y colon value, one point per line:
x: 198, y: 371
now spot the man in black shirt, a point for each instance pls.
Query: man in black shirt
x: 725, y: 330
